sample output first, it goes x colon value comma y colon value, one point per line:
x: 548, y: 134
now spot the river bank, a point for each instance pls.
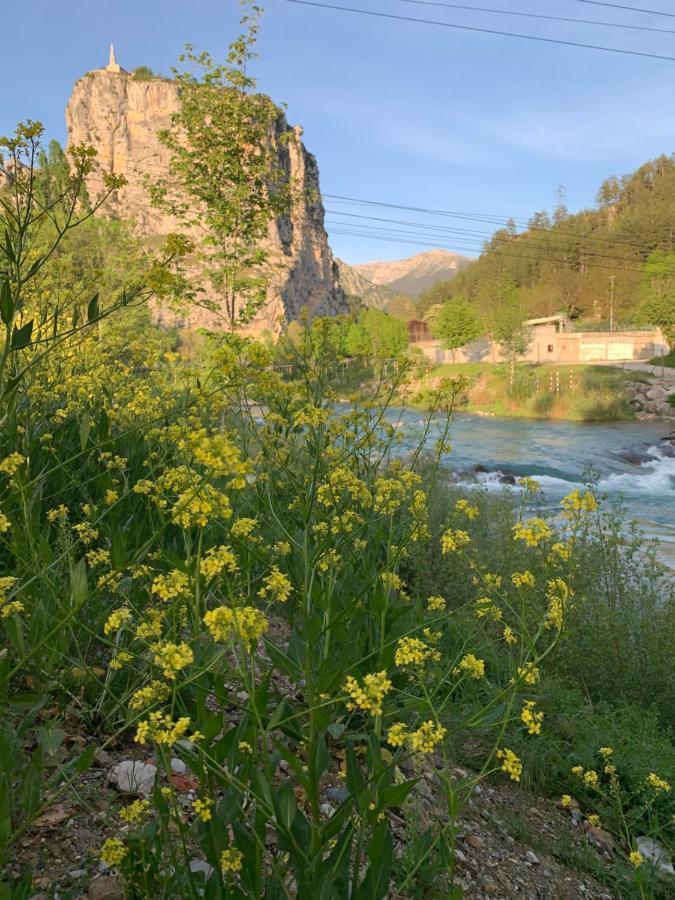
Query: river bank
x: 579, y: 393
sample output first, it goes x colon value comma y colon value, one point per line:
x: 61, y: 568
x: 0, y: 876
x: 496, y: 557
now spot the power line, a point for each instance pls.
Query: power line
x: 494, y: 31
x: 503, y: 248
x: 444, y: 232
x: 651, y: 12
x: 477, y: 217
x: 530, y: 15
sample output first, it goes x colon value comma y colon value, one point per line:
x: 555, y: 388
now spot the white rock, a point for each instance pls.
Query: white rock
x: 656, y: 853
x: 132, y: 777
x: 532, y: 858
x: 178, y: 766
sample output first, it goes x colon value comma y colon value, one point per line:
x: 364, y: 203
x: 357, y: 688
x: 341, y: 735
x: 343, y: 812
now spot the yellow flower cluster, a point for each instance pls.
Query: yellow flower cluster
x: 155, y: 692
x: 532, y: 532
x: 85, y: 532
x: 397, y: 734
x: 463, y: 506
x: 411, y: 651
x: 217, y: 560
x: 152, y: 626
x: 135, y: 811
x: 242, y: 528
x: 202, y: 808
x: 659, y: 784
x: 117, y: 619
x: 369, y: 695
x: 57, y: 513
x: 453, y: 539
x: 576, y: 502
x: 231, y: 860
x: 566, y: 801
x: 247, y: 624
x: 523, y: 579
x: 10, y: 608
x: 391, y: 581
x: 435, y: 604
x: 510, y: 763
x: 486, y: 609
x: 98, y: 557
x: 558, y: 595
x: 426, y: 737
x: 10, y: 464
x: 344, y: 484
x: 594, y: 820
x: 276, y: 586
x: 530, y: 485
x: 171, y: 658
x: 162, y: 729
x: 470, y: 664
x: 530, y: 718
x: 528, y: 673
x: 509, y: 635
x: 175, y: 584
x: 113, y: 852
x: 636, y: 858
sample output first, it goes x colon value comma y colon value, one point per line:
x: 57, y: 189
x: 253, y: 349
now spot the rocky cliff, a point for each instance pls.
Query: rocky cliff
x: 121, y: 115
x: 414, y: 274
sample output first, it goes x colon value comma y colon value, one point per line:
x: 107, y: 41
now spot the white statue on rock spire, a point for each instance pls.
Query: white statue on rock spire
x: 112, y: 63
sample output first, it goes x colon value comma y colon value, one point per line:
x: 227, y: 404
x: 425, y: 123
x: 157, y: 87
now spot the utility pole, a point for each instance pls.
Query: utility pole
x: 611, y: 302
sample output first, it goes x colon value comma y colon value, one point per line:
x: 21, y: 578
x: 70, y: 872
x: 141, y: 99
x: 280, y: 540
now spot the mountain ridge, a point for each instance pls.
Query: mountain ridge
x: 413, y: 274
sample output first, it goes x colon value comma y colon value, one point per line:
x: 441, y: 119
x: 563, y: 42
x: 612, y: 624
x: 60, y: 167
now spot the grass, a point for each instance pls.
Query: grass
x: 574, y: 392
x: 668, y: 361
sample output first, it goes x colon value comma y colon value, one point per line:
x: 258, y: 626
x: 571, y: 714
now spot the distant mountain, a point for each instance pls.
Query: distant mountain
x: 416, y: 273
x: 355, y: 285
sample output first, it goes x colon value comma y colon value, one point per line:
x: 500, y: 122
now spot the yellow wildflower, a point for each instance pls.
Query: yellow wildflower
x: 171, y: 658
x: 606, y: 752
x: 369, y: 695
x: 636, y: 858
x: 594, y: 821
x: 217, y: 560
x: 242, y: 528
x: 532, y: 532
x: 453, y: 539
x: 276, y: 586
x: 110, y: 497
x: 202, y: 808
x: 591, y: 778
x: 463, y: 506
x: 528, y: 673
x: 175, y: 584
x: 426, y: 737
x: 659, y: 784
x: 155, y: 692
x: 112, y: 852
x: 57, y: 513
x: 135, y: 811
x: 470, y: 664
x: 566, y: 801
x: 11, y: 464
x: 411, y: 651
x: 11, y: 608
x: 248, y: 624
x: 510, y: 763
x: 162, y: 729
x: 436, y: 604
x: 509, y: 635
x: 577, y: 502
x: 116, y: 620
x: 531, y: 718
x: 397, y: 733
x: 523, y: 579
x: 231, y: 860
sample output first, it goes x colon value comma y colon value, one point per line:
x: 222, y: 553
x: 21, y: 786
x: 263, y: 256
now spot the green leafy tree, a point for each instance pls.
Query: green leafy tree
x: 456, y: 325
x: 376, y: 334
x: 659, y: 291
x: 225, y: 184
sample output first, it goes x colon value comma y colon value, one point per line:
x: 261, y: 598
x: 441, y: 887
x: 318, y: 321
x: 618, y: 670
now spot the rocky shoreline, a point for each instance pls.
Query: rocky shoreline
x: 650, y: 400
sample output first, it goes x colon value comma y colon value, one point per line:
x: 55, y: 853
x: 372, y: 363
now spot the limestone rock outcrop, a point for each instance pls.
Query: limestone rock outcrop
x: 120, y: 116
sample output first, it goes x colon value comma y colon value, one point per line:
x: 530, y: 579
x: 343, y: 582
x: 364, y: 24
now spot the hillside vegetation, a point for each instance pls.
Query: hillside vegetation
x: 613, y: 261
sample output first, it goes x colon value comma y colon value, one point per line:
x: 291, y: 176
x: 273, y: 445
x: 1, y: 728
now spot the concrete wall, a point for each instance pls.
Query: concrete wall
x: 547, y: 345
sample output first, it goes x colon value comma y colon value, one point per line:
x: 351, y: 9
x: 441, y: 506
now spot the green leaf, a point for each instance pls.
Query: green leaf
x: 21, y: 336
x: 92, y: 309
x: 6, y: 302
x: 33, y: 269
x: 287, y: 805
x: 85, y: 429
x: 31, y: 785
x: 78, y: 583
x: 9, y: 249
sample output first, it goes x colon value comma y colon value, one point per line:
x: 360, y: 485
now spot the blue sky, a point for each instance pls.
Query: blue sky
x: 398, y: 112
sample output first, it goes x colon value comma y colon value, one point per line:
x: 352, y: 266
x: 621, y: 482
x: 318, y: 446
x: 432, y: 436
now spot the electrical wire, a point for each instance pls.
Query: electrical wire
x: 531, y: 15
x: 651, y: 12
x: 475, y: 28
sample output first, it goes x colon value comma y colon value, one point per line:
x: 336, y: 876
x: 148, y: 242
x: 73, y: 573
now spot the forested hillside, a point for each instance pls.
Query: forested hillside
x: 614, y: 259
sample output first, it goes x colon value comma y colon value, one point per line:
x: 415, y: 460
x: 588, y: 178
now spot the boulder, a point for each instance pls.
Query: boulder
x: 132, y: 777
